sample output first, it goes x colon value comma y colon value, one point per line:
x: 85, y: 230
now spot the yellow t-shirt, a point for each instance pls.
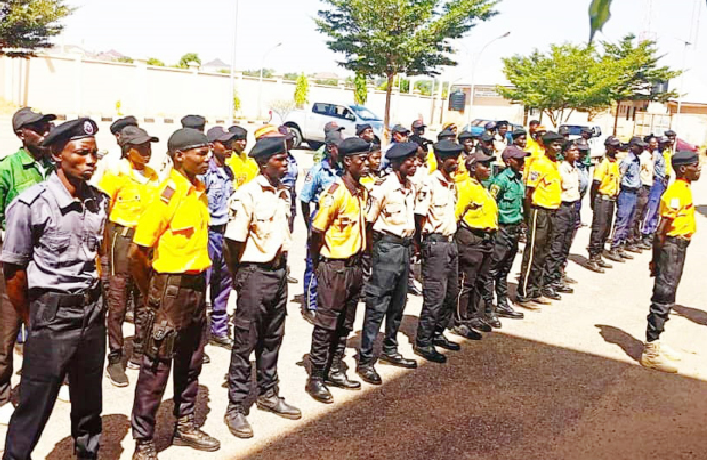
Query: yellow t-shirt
x: 475, y: 206
x: 431, y: 162
x: 668, y: 155
x: 544, y: 177
x: 342, y: 219
x: 608, y: 175
x: 244, y: 168
x: 676, y: 204
x: 176, y: 226
x: 130, y: 192
x: 461, y: 174
x: 536, y: 152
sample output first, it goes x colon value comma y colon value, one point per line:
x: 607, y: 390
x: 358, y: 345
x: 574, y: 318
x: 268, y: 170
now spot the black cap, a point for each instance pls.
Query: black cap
x: 121, y: 123
x: 552, y: 136
x: 638, y: 141
x: 194, y: 122
x: 447, y: 148
x: 332, y: 126
x: 266, y: 147
x: 519, y: 132
x: 612, y: 141
x: 490, y: 126
x: 564, y: 131
x: 238, y: 132
x: 185, y: 139
x: 582, y: 146
x: 401, y: 150
x: 478, y: 157
x: 684, y: 158
x: 670, y: 133
x: 418, y: 124
x: 26, y: 116
x: 513, y: 151
x: 465, y: 135
x: 135, y: 136
x: 70, y: 130
x: 501, y: 123
x: 663, y: 140
x: 361, y: 127
x: 333, y: 137
x: 353, y: 146
x: 446, y: 133
x: 400, y: 129
x: 218, y: 134
x: 486, y: 137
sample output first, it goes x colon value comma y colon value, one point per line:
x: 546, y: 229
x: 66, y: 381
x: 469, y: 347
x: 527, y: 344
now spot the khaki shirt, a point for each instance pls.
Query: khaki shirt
x: 392, y: 208
x: 646, y: 168
x: 437, y: 200
x: 259, y: 217
x: 570, y: 182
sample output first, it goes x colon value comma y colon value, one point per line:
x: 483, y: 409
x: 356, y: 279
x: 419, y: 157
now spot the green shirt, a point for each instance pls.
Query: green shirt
x: 507, y: 188
x: 18, y: 172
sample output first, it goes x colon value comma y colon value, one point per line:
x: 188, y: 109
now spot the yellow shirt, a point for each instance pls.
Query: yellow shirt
x: 436, y: 200
x: 342, y: 219
x: 608, y: 175
x: 475, y: 206
x: 244, y: 168
x: 676, y: 204
x: 176, y: 226
x: 461, y: 174
x: 392, y: 206
x: 544, y: 177
x: 668, y: 155
x: 536, y: 151
x: 431, y: 162
x: 130, y: 192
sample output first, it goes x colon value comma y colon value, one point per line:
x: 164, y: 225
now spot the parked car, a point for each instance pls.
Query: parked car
x: 682, y: 146
x: 477, y: 128
x: 596, y: 142
x: 307, y: 124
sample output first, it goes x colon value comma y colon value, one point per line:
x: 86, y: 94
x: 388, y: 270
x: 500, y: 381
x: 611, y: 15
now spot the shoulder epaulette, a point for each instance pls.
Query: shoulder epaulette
x: 380, y: 181
x: 332, y: 188
x: 31, y: 194
x: 167, y: 194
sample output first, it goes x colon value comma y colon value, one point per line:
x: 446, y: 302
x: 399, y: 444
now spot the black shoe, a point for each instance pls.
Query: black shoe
x: 479, y: 325
x: 337, y: 378
x: 368, y: 374
x: 308, y: 315
x: 396, y: 359
x: 602, y: 263
x: 431, y: 354
x: 206, y: 359
x: 563, y: 288
x: 317, y: 390
x: 271, y: 402
x: 492, y: 320
x: 412, y: 289
x: 116, y: 372
x: 531, y: 303
x: 506, y: 311
x: 187, y: 434
x: 551, y: 294
x: 464, y: 331
x: 223, y: 341
x: 145, y: 450
x: 633, y: 248
x: 614, y: 255
x: 594, y: 266
x: 237, y: 422
x: 443, y: 342
x: 625, y: 255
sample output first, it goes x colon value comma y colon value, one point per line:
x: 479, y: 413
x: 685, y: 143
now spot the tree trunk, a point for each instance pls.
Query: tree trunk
x: 386, y: 116
x: 616, y: 118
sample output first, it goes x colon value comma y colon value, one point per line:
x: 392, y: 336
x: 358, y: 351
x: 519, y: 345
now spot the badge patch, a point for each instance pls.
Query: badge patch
x: 534, y: 175
x: 675, y: 203
x: 307, y: 178
x: 329, y: 201
x: 88, y: 128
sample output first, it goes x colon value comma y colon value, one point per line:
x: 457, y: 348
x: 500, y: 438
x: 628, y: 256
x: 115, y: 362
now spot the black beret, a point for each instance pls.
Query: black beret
x: 400, y: 151
x: 121, y: 123
x: 478, y: 157
x: 446, y: 147
x: 266, y: 147
x: 684, y: 158
x: 26, y: 116
x: 185, y: 139
x: 194, y: 122
x: 361, y: 127
x: 135, y: 136
x: 552, y: 136
x: 353, y: 146
x: 519, y: 132
x: 501, y: 123
x: 446, y: 133
x: 486, y: 137
x: 670, y: 133
x: 240, y: 133
x: 70, y: 130
x: 465, y: 135
x: 218, y: 134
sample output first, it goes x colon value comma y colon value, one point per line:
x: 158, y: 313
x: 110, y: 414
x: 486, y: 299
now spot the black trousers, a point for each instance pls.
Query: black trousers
x: 474, y: 263
x: 440, y: 289
x: 386, y: 295
x: 634, y: 235
x: 10, y: 323
x: 505, y: 247
x: 532, y: 270
x: 669, y: 266
x: 601, y: 224
x: 259, y: 325
x: 66, y: 335
x: 339, y: 292
x: 175, y: 333
x: 563, y: 225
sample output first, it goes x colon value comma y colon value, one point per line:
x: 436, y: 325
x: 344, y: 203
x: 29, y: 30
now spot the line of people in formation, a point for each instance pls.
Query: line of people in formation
x: 82, y: 237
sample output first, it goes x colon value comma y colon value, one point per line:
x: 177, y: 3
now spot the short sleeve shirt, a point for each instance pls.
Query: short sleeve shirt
x: 544, y: 177
x: 608, y: 176
x: 55, y: 236
x: 318, y: 179
x: 630, y: 168
x: 259, y: 218
x: 676, y: 204
x: 476, y: 208
x: 508, y: 190
x: 392, y: 206
x: 570, y: 182
x: 647, y: 171
x: 244, y: 168
x: 436, y: 200
x: 342, y: 219
x: 130, y: 192
x: 659, y: 168
x: 18, y: 172
x: 219, y: 187
x: 176, y: 226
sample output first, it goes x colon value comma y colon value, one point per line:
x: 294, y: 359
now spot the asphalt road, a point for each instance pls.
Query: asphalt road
x: 562, y: 384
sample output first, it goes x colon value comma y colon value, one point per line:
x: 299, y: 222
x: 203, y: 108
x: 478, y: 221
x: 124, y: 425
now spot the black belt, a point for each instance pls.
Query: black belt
x: 437, y: 238
x: 569, y: 203
x: 630, y: 189
x: 187, y: 280
x: 353, y: 261
x: 122, y: 230
x: 542, y: 208
x: 509, y: 225
x: 217, y: 228
x: 70, y: 299
x: 277, y: 263
x: 681, y: 241
x: 480, y: 232
x: 390, y: 238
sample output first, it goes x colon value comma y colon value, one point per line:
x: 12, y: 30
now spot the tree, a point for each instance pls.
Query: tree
x: 301, y: 90
x: 125, y: 59
x: 290, y: 76
x: 388, y: 37
x: 283, y: 107
x: 360, y: 93
x: 640, y: 74
x: 155, y: 62
x: 28, y: 25
x: 267, y: 73
x: 187, y: 59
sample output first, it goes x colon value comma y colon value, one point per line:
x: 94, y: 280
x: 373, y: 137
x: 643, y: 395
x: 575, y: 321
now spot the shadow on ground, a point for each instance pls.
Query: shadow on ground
x: 702, y: 209
x: 693, y: 314
x: 514, y: 399
x: 628, y: 343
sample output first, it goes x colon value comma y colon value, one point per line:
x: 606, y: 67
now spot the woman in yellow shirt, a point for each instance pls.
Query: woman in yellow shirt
x: 131, y: 188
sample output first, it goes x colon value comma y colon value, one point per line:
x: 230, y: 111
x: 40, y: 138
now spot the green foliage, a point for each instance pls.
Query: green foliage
x: 599, y: 14
x: 187, y: 59
x: 403, y: 84
x: 424, y: 87
x: 155, y: 62
x: 301, y: 90
x: 125, y: 59
x: 236, y: 103
x: 291, y: 76
x: 267, y: 73
x: 28, y: 25
x: 327, y: 82
x: 360, y: 85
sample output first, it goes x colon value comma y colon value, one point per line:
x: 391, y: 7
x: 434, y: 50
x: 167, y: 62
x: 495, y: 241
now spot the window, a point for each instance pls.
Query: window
x: 322, y: 109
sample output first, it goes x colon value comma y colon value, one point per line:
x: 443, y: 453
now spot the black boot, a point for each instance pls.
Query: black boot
x: 237, y: 422
x: 145, y: 450
x: 506, y: 311
x: 491, y: 318
x: 316, y: 388
x: 271, y: 402
x: 431, y: 354
x: 368, y: 373
x: 187, y: 434
x: 593, y: 265
x: 337, y: 377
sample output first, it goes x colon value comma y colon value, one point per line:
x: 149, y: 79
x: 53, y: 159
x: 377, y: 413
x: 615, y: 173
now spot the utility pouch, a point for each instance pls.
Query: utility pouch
x: 160, y: 341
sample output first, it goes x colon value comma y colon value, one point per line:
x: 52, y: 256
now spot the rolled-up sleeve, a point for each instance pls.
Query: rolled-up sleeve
x: 17, y: 247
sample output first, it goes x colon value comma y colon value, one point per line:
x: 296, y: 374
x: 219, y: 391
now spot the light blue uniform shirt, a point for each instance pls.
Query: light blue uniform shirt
x: 219, y: 187
x: 630, y: 168
x: 318, y: 179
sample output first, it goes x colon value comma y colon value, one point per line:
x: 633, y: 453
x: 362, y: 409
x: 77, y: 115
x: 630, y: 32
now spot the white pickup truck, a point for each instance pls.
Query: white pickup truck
x: 307, y: 124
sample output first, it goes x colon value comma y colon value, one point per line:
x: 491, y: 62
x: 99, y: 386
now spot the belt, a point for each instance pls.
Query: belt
x: 122, y: 230
x: 71, y: 299
x: 543, y: 208
x: 217, y: 228
x: 608, y: 197
x: 481, y: 232
x: 568, y: 203
x: 681, y: 241
x: 353, y: 261
x: 395, y: 239
x: 278, y: 262
x: 437, y: 238
x: 630, y: 189
x: 187, y: 279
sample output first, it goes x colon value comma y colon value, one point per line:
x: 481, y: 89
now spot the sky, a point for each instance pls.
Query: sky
x: 167, y: 29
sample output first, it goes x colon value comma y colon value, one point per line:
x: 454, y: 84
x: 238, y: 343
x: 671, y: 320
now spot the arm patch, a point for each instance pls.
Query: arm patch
x: 167, y: 194
x: 333, y: 188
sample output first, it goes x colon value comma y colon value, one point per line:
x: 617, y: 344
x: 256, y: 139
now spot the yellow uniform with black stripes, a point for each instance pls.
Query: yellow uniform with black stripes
x: 341, y: 218
x: 476, y: 208
x: 545, y: 180
x: 676, y: 204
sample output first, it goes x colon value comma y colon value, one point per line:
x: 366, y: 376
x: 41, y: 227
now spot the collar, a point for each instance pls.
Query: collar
x: 27, y: 159
x: 438, y: 175
x: 402, y: 186
x: 266, y: 185
x: 218, y: 170
x: 148, y: 175
x: 181, y: 181
x: 62, y: 195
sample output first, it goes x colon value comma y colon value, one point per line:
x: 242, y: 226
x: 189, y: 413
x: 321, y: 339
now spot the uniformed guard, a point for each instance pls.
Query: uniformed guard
x: 392, y: 217
x: 131, y: 186
x: 520, y: 138
x: 30, y: 165
x: 602, y: 198
x: 365, y: 132
x: 54, y: 238
x: 500, y: 142
x: 338, y: 243
x: 668, y: 153
x: 436, y: 227
x: 174, y: 227
x: 243, y: 167
x: 490, y: 128
x: 418, y: 133
x: 446, y: 134
x: 258, y: 240
x: 564, y: 131
x: 536, y: 148
x: 677, y: 225
x: 647, y: 175
x: 111, y: 160
x: 532, y: 143
x: 660, y: 183
x: 508, y: 190
x: 477, y: 214
x: 290, y: 181
x: 544, y: 196
x: 372, y: 172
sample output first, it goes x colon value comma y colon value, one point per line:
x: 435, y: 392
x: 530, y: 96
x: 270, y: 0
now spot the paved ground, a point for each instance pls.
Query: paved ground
x: 561, y: 384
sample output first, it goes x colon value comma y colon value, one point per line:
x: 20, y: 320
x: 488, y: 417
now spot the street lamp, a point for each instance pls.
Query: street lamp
x: 473, y: 71
x: 260, y: 84
x: 233, y: 64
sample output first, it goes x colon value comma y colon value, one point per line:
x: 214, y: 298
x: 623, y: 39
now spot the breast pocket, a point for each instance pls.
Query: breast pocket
x: 182, y: 229
x: 57, y: 249
x: 395, y: 212
x: 263, y: 220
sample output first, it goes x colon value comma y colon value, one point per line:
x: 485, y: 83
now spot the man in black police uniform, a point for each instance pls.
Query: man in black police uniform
x: 55, y: 234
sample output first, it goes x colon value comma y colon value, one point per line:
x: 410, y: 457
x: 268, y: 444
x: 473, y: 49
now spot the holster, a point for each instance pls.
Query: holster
x: 160, y: 341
